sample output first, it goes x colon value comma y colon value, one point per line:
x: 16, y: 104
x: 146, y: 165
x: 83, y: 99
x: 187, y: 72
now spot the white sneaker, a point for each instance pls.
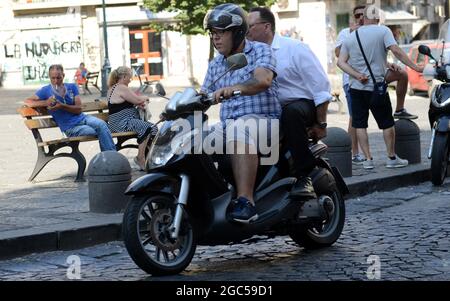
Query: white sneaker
x: 358, y: 159
x: 396, y: 163
x: 368, y: 164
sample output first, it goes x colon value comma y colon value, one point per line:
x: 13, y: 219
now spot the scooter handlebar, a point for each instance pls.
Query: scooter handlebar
x: 211, y: 100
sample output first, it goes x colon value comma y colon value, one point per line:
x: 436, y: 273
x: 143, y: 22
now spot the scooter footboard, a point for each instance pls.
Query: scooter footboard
x: 272, y: 204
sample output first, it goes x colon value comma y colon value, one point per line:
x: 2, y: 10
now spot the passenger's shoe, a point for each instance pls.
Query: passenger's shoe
x: 358, y: 159
x: 368, y: 164
x: 303, y: 188
x: 396, y: 163
x: 243, y: 211
x: 403, y: 114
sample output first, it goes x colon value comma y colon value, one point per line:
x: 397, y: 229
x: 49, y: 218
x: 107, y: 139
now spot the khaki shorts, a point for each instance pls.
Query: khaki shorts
x: 253, y: 130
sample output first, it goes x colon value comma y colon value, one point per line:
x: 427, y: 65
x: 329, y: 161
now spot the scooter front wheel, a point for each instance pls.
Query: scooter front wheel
x: 439, y: 158
x: 146, y: 232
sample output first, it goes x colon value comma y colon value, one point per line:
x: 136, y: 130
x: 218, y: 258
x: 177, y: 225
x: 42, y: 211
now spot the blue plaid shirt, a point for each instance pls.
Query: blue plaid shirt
x: 265, y: 103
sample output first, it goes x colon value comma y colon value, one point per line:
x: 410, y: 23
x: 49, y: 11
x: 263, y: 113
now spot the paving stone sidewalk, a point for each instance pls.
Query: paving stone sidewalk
x: 53, y: 212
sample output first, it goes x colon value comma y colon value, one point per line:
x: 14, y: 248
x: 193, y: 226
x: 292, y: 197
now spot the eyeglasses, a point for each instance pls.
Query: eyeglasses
x: 252, y: 25
x: 218, y: 33
x: 357, y: 16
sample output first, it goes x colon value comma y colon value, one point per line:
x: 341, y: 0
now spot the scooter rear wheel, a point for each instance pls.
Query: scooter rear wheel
x: 146, y: 234
x: 439, y: 158
x: 323, y: 234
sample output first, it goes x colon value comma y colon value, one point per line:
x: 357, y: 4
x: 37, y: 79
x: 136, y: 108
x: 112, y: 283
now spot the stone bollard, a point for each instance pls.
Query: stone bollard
x: 109, y: 174
x: 339, y: 150
x: 407, y: 141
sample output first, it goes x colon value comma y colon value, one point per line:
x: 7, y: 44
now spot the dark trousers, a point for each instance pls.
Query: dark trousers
x: 295, y: 118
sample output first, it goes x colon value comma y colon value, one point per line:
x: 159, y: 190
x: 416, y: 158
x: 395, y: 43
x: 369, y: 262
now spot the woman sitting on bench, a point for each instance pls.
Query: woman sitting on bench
x: 123, y: 106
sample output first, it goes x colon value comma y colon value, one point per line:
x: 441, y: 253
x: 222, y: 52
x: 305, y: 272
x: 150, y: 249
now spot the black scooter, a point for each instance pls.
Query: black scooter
x: 439, y: 116
x: 185, y: 198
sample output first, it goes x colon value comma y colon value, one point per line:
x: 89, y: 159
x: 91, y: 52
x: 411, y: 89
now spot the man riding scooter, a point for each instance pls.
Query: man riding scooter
x: 186, y: 198
x: 227, y: 26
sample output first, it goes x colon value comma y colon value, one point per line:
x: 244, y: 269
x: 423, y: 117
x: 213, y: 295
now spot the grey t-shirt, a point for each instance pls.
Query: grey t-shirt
x: 375, y: 40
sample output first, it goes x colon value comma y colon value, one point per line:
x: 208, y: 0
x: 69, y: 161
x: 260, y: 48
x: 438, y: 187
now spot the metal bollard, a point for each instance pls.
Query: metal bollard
x: 109, y: 174
x: 407, y: 141
x: 339, y: 151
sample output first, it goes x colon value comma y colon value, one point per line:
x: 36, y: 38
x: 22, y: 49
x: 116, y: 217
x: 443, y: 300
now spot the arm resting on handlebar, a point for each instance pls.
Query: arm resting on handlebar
x: 261, y: 81
x: 403, y: 57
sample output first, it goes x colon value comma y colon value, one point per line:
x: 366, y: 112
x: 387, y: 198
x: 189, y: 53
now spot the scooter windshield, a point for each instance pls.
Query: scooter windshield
x: 442, y: 52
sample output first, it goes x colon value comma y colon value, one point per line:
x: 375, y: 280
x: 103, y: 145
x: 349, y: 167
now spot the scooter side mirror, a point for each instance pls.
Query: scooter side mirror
x: 425, y: 50
x: 236, y: 61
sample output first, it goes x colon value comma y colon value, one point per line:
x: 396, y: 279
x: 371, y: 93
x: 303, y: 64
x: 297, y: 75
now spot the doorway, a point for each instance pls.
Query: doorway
x: 145, y: 53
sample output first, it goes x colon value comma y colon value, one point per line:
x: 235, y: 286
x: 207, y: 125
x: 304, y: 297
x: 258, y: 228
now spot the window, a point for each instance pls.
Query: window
x: 136, y: 42
x: 342, y: 21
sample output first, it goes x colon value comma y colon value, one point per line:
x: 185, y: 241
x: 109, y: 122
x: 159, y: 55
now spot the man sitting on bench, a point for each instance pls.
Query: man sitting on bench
x: 64, y: 104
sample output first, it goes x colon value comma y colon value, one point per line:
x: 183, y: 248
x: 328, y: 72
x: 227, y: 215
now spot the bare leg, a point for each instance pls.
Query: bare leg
x: 363, y: 140
x: 402, y: 85
x: 389, y: 140
x: 141, y: 152
x: 354, y: 137
x: 245, y: 168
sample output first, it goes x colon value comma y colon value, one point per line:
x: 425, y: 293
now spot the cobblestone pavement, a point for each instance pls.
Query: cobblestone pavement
x: 405, y: 232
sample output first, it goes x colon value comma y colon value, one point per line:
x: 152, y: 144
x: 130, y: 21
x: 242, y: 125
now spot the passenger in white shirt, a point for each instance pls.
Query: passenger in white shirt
x: 304, y: 94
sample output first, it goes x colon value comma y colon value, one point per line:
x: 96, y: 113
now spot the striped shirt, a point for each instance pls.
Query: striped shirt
x: 265, y: 103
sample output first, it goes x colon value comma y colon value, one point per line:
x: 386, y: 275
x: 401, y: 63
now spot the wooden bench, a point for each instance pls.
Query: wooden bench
x: 38, y: 119
x: 91, y: 79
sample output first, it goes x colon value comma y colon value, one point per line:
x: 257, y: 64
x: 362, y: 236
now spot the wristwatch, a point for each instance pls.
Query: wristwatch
x: 322, y: 125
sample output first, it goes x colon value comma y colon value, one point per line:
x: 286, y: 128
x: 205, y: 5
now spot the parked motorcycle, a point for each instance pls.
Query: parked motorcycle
x: 185, y: 198
x: 439, y: 112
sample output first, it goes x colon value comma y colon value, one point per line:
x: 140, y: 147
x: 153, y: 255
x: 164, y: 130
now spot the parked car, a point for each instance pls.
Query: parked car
x: 417, y: 83
x: 392, y: 59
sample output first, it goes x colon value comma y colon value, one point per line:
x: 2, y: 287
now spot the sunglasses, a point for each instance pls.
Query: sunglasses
x: 218, y: 33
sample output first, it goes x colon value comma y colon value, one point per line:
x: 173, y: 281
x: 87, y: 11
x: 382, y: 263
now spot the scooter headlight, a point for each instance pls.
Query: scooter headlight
x: 167, y: 144
x: 159, y: 154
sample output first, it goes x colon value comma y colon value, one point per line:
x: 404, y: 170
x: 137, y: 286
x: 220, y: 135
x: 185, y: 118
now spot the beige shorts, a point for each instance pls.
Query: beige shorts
x: 253, y: 133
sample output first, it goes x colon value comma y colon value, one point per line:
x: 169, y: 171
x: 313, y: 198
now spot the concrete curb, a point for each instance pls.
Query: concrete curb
x: 46, y: 240
x: 398, y: 178
x: 17, y: 243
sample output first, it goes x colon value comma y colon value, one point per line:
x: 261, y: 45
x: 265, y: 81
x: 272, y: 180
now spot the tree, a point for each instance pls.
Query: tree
x: 189, y: 20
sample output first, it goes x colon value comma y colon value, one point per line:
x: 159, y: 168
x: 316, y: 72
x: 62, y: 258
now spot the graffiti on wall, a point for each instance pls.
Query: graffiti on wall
x: 32, y: 52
